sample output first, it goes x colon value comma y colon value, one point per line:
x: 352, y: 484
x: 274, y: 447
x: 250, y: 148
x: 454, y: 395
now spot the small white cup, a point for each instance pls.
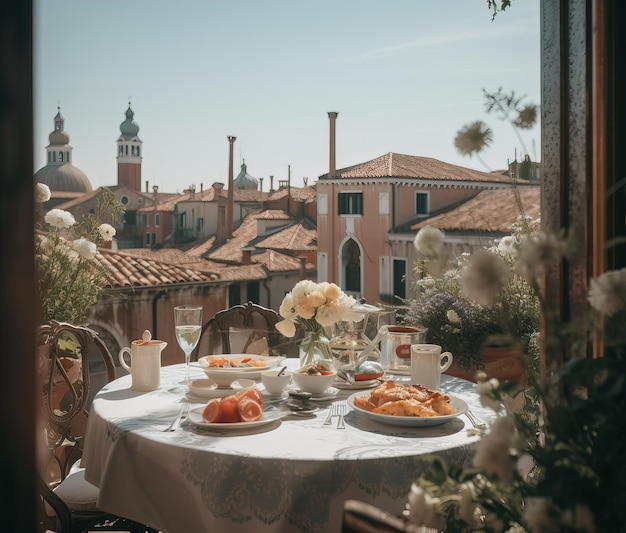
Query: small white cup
x: 427, y: 364
x: 273, y: 383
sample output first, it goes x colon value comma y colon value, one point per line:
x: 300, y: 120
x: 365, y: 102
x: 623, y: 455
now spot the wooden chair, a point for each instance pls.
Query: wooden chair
x: 361, y: 517
x: 245, y: 328
x: 67, y: 500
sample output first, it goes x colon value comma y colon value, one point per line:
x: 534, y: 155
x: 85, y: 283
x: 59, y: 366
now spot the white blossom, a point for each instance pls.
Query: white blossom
x: 429, y: 241
x: 483, y: 278
x: 537, y: 253
x: 493, y: 451
x: 107, y: 232
x: 58, y: 218
x: 453, y: 317
x: 485, y: 390
x: 607, y: 292
x: 287, y: 308
x: 467, y: 506
x: 423, y: 509
x: 507, y: 247
x: 85, y: 248
x: 286, y: 327
x: 42, y: 193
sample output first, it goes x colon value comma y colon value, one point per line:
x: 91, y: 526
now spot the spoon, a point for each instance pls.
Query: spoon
x: 346, y: 375
x: 282, y: 371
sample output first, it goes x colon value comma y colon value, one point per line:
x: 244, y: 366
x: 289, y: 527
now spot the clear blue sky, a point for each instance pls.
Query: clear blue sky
x: 404, y: 75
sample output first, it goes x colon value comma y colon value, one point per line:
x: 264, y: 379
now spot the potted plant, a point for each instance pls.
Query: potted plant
x: 475, y: 302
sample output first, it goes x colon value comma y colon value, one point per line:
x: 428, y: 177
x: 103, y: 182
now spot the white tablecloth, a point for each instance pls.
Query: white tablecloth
x: 291, y: 475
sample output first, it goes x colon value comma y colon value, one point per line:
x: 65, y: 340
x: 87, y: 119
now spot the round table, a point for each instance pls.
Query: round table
x: 291, y: 475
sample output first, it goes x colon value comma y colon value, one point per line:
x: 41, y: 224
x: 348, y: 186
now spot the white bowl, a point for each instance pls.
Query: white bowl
x: 273, y: 383
x: 224, y: 377
x: 313, y: 384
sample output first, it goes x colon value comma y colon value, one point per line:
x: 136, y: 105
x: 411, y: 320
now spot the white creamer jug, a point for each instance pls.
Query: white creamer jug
x: 145, y: 362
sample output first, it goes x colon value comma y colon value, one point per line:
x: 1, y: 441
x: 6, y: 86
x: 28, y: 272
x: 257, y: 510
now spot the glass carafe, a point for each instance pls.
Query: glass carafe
x: 350, y: 340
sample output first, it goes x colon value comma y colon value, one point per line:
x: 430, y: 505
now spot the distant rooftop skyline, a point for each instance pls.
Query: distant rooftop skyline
x: 404, y: 77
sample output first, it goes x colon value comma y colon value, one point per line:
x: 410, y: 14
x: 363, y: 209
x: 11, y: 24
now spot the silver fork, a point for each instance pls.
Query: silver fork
x: 476, y: 422
x: 182, y: 414
x: 331, y: 412
x: 341, y: 411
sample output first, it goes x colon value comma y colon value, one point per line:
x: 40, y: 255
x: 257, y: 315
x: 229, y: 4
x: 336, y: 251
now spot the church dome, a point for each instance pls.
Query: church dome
x: 244, y: 180
x: 129, y: 128
x: 63, y: 178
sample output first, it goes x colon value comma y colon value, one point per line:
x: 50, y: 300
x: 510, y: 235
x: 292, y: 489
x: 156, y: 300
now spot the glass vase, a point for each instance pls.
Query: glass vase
x: 314, y: 347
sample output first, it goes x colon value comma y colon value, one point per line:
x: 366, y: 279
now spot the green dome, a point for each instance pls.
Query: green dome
x: 129, y: 127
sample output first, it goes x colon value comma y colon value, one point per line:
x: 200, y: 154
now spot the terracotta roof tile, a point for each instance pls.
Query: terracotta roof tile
x: 490, y: 210
x: 129, y: 270
x: 294, y: 238
x: 306, y: 194
x: 244, y: 236
x: 275, y: 261
x: 394, y: 165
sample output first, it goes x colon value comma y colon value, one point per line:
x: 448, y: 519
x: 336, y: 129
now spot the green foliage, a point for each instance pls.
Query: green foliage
x: 460, y: 324
x: 70, y: 277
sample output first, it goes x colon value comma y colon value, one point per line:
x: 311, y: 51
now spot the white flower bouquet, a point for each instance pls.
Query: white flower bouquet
x: 313, y: 307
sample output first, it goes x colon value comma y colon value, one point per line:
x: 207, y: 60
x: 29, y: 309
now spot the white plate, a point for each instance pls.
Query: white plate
x: 195, y: 417
x: 457, y: 403
x: 271, y: 361
x: 202, y: 388
x: 328, y: 394
x: 356, y: 385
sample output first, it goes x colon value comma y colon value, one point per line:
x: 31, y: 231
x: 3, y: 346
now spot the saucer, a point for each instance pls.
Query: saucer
x: 205, y: 388
x: 329, y: 394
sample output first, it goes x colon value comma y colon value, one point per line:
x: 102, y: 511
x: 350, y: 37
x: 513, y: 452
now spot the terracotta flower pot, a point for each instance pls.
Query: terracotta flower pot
x: 504, y: 363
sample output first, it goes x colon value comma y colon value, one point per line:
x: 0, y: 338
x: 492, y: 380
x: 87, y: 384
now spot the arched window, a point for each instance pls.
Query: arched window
x: 351, y: 259
x: 60, y: 157
x: 132, y: 150
x: 137, y: 151
x: 121, y: 150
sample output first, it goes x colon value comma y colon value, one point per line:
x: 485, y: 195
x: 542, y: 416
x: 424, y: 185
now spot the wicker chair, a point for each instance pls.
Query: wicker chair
x: 67, y: 500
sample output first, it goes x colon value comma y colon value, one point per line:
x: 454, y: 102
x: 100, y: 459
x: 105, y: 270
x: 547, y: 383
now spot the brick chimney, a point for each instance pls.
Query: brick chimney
x: 220, y: 232
x: 231, y: 192
x: 246, y: 256
x: 302, y: 267
x: 332, y: 167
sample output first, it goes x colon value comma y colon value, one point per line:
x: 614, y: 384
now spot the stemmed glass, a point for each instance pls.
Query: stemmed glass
x: 188, y: 325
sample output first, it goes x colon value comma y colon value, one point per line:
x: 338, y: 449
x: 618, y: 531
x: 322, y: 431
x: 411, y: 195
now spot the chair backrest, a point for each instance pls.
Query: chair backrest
x: 361, y: 517
x: 64, y: 350
x: 245, y: 328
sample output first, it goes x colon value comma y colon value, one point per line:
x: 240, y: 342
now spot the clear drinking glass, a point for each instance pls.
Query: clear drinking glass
x: 188, y: 324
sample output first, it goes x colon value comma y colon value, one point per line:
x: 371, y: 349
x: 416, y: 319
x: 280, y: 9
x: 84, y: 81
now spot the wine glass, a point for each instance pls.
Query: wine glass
x: 188, y: 325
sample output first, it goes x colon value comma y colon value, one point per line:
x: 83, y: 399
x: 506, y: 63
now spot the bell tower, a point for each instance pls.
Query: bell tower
x: 129, y: 153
